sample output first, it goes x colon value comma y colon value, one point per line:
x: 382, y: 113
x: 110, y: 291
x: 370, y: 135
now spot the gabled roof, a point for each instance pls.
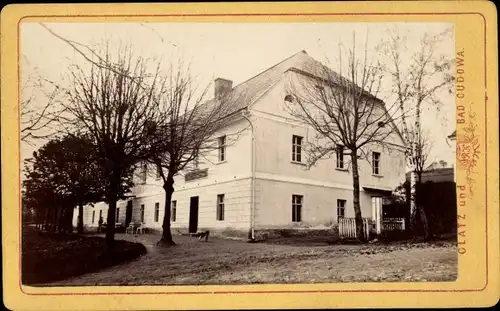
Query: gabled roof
x: 247, y: 92
x: 250, y: 90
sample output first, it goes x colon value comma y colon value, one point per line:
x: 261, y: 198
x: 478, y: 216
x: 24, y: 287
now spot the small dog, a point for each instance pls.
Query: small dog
x: 202, y: 235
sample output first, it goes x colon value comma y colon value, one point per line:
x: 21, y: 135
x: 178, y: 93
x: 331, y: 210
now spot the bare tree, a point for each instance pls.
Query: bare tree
x: 188, y: 134
x: 344, y: 113
x: 423, y: 146
x: 418, y: 77
x: 38, y: 109
x: 115, y: 104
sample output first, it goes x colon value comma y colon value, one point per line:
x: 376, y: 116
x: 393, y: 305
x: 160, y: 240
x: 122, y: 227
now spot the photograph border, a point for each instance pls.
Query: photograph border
x: 490, y: 93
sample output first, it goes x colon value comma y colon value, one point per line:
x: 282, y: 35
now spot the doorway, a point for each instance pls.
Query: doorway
x: 128, y: 213
x: 193, y: 214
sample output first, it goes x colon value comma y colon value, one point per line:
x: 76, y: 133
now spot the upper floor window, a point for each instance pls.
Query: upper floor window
x: 222, y: 148
x: 196, y: 162
x: 158, y: 172
x: 289, y: 98
x: 340, y: 209
x: 117, y: 214
x: 93, y: 216
x: 340, y: 156
x: 297, y: 208
x: 296, y: 148
x: 376, y: 163
x: 144, y: 172
x: 220, y: 207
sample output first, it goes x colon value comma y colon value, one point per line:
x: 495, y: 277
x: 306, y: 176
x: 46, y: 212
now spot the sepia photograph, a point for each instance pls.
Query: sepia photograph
x: 237, y: 153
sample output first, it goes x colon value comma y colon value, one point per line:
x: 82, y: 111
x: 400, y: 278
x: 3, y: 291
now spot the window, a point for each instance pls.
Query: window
x: 376, y: 163
x: 100, y: 214
x: 340, y: 156
x: 196, y: 162
x: 142, y: 212
x: 157, y: 211
x: 144, y: 173
x: 93, y: 216
x: 296, y: 148
x: 117, y: 214
x: 222, y: 148
x: 289, y: 98
x: 220, y: 207
x: 340, y: 209
x: 158, y: 172
x: 173, y: 214
x: 297, y: 208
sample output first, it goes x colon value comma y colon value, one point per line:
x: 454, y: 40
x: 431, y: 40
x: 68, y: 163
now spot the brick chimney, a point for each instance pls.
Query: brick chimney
x: 222, y: 86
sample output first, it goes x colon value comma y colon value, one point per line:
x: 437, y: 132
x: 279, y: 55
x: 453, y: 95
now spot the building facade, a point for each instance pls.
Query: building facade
x: 257, y: 179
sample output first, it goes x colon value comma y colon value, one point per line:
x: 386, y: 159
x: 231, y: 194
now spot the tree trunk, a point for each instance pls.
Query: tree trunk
x: 60, y: 218
x: 166, y: 237
x: 417, y: 211
x: 80, y: 218
x: 425, y: 223
x: 54, y: 220
x: 46, y: 218
x: 112, y: 199
x: 360, y: 235
x: 413, y: 203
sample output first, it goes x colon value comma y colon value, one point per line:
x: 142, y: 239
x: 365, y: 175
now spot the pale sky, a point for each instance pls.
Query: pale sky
x: 235, y: 51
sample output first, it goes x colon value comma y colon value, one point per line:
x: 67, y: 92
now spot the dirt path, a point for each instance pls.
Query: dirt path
x: 235, y: 262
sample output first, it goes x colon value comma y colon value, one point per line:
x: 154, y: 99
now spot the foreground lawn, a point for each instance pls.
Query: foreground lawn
x: 219, y: 261
x: 50, y: 256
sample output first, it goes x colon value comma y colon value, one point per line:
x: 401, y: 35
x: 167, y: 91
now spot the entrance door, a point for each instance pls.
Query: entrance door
x: 193, y: 214
x: 128, y: 213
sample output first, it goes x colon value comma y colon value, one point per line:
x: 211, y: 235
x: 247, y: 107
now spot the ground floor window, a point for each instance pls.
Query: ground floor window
x: 142, y: 212
x: 173, y: 214
x: 340, y: 209
x: 117, y: 214
x: 297, y: 207
x: 220, y: 207
x: 93, y: 216
x: 157, y: 211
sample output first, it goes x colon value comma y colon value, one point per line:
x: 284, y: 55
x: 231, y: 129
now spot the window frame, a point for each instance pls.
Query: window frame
x: 220, y: 208
x: 158, y: 175
x: 142, y: 210
x: 340, y: 157
x: 297, y: 148
x: 173, y: 212
x: 297, y: 204
x: 222, y: 156
x: 157, y: 212
x: 144, y: 173
x: 376, y: 162
x: 341, y: 207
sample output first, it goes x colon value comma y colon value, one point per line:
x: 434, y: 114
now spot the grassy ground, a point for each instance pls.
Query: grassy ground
x: 220, y: 261
x: 50, y: 256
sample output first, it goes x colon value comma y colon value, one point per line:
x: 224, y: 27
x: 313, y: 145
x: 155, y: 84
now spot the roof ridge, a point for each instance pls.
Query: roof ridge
x: 273, y: 66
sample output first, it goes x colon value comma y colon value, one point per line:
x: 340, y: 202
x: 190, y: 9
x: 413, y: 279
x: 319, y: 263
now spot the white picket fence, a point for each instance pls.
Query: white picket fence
x: 347, y: 227
x: 392, y: 224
